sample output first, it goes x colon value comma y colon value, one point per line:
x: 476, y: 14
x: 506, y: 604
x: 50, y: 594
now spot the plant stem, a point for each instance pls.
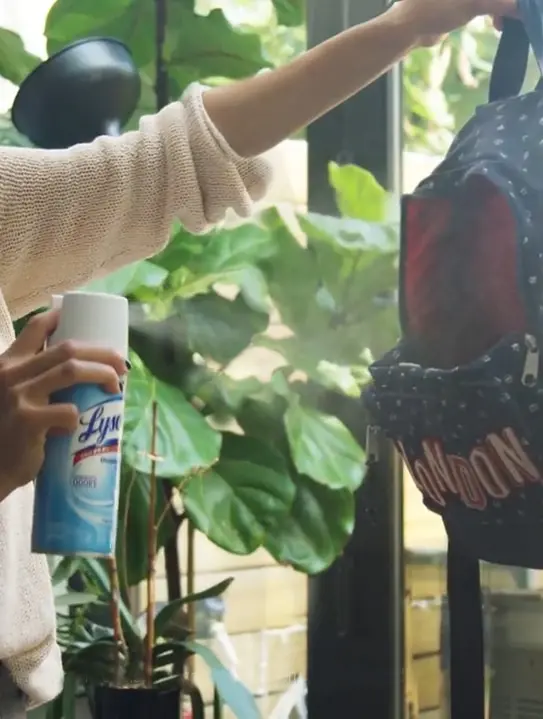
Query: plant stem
x: 151, y: 547
x: 118, y: 636
x: 124, y: 548
x: 162, y: 90
x: 162, y: 96
x: 171, y: 551
x: 190, y: 589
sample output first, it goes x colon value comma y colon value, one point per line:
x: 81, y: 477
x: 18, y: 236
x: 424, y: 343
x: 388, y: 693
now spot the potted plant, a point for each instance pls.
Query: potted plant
x: 131, y: 668
x: 114, y: 668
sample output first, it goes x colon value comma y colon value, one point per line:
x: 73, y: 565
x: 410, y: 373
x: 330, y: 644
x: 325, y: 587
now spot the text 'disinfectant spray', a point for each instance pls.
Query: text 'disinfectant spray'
x: 77, y: 488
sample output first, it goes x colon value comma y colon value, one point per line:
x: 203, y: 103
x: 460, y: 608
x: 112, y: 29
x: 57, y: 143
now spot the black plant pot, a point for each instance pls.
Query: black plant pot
x: 113, y: 703
x: 88, y: 89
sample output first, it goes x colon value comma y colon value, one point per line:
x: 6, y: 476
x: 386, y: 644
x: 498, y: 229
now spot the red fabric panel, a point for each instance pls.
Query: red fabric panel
x: 460, y: 273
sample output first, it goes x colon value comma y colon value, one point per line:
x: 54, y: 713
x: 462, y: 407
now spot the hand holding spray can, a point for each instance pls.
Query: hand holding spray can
x: 77, y: 488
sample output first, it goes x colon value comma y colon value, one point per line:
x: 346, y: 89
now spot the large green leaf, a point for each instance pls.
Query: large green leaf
x: 205, y: 46
x: 15, y: 62
x: 335, y: 294
x: 197, y: 46
x: 260, y: 414
x: 338, y: 296
x: 293, y: 277
x: 130, y: 21
x: 132, y: 531
x: 131, y: 279
x: 199, y: 262
x: 316, y: 530
x: 210, y: 325
x: 358, y: 194
x: 231, y: 690
x: 323, y: 448
x: 168, y: 359
x: 185, y: 441
x: 74, y: 599
x: 253, y: 287
x: 68, y: 20
x: 218, y: 328
x: 350, y: 235
x: 234, y: 503
x: 290, y: 12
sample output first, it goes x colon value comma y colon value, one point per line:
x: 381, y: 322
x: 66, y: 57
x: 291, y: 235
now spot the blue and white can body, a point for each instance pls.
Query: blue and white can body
x: 77, y: 489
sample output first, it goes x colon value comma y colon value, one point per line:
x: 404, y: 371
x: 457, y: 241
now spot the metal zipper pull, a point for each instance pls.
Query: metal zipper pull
x: 372, y: 444
x: 531, y: 362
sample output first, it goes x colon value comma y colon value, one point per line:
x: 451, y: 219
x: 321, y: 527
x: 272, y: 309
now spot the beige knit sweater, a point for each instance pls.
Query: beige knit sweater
x: 67, y: 216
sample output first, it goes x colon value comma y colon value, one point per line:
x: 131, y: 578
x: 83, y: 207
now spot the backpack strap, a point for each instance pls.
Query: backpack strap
x: 510, y: 63
x: 466, y: 637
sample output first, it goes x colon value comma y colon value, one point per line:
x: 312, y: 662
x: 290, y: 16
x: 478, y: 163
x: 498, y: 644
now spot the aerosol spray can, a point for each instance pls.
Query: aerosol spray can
x: 77, y: 488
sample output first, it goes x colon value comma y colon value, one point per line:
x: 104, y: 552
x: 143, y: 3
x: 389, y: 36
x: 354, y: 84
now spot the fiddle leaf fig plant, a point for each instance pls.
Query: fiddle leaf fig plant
x: 263, y: 461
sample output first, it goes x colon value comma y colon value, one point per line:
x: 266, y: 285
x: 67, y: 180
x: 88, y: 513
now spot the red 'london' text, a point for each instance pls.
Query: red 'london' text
x: 491, y: 470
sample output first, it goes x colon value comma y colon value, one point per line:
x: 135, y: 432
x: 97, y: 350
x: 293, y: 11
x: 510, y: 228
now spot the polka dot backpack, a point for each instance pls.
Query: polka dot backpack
x: 461, y: 396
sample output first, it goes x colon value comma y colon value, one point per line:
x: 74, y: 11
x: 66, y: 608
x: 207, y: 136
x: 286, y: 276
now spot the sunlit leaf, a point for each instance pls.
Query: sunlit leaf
x: 129, y: 279
x: 185, y: 441
x: 290, y: 12
x: 15, y: 62
x: 231, y: 690
x: 358, y: 194
x: 165, y: 615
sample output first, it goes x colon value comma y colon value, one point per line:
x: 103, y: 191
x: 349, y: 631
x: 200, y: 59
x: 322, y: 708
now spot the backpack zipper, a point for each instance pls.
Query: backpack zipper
x: 372, y: 444
x: 531, y: 362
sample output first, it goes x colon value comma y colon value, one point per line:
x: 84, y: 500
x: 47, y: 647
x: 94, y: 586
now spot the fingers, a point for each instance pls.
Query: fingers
x: 36, y: 365
x: 34, y: 335
x: 69, y: 373
x: 54, y: 418
x: 498, y: 23
x: 499, y: 9
x: 507, y: 8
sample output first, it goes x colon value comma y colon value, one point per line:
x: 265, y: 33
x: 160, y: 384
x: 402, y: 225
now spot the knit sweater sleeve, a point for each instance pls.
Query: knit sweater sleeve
x: 67, y: 216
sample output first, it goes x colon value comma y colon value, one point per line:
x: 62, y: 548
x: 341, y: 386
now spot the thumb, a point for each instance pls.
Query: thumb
x: 503, y: 8
x: 497, y: 21
x: 34, y: 335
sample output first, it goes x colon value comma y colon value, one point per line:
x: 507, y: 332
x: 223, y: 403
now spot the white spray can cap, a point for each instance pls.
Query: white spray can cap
x: 56, y: 302
x: 95, y: 318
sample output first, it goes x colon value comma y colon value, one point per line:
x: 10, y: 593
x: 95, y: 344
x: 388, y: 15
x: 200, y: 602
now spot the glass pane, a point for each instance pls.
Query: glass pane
x: 513, y: 614
x: 425, y: 582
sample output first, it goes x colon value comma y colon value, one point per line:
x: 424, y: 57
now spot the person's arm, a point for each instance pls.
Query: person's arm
x: 257, y: 113
x: 67, y: 216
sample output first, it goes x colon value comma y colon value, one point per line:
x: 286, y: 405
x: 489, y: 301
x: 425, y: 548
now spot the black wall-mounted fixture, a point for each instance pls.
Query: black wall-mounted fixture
x: 89, y: 88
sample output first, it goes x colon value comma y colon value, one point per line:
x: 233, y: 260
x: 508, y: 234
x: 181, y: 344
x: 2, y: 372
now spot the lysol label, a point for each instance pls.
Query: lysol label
x: 77, y: 487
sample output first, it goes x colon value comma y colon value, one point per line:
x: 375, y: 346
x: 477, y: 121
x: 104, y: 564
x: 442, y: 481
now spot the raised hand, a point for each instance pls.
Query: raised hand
x: 28, y: 376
